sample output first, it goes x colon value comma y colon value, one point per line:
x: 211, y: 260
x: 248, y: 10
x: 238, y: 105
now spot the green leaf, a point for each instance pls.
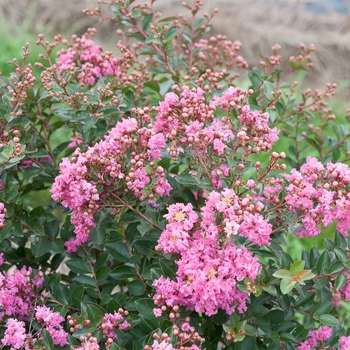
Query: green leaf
x: 340, y: 281
x: 94, y: 312
x: 77, y: 295
x: 40, y: 246
x: 62, y: 294
x: 170, y: 33
x: 323, y: 263
x: 341, y: 254
x: 323, y: 308
x: 146, y: 21
x: 136, y: 288
x: 255, y: 79
x: 189, y: 180
x: 119, y: 251
x: 280, y: 108
x: 54, y: 282
x: 123, y: 272
x: 282, y: 274
x: 144, y: 227
x: 47, y: 339
x: 145, y: 308
x: 287, y: 260
x: 305, y: 275
x: 101, y: 260
x: 87, y: 281
x: 335, y: 154
x: 297, y: 266
x: 102, y: 273
x: 78, y: 266
x: 199, y: 22
x: 329, y: 320
x: 114, y: 346
x: 336, y: 267
x: 269, y: 90
x: 329, y: 244
x: 287, y: 285
x: 308, y: 322
x: 247, y: 343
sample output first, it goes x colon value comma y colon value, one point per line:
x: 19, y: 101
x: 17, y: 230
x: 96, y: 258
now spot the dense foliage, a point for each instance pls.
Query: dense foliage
x: 147, y: 201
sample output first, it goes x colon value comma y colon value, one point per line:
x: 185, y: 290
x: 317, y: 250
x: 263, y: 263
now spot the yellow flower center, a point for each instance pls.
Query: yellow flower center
x: 180, y: 216
x: 226, y: 201
x: 212, y: 273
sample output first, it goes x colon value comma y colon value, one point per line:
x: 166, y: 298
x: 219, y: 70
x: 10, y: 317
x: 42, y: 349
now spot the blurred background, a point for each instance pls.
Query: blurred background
x: 258, y: 24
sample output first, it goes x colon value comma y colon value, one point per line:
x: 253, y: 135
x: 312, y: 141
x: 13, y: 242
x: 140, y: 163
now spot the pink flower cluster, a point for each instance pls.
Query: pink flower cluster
x: 320, y: 195
x: 86, y: 54
x: 344, y: 343
x: 112, y: 322
x: 345, y: 291
x: 189, y: 122
x: 51, y: 321
x: 316, y: 337
x: 253, y: 132
x: 89, y: 345
x: 218, y: 51
x: 164, y: 345
x: 17, y: 297
x: 2, y: 215
x: 117, y: 162
x: 209, y: 264
x: 15, y: 334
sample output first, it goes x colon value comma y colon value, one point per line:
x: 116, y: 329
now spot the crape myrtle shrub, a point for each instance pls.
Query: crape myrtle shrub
x: 172, y: 193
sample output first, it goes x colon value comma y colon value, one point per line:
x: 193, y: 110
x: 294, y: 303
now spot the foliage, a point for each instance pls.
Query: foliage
x: 169, y: 208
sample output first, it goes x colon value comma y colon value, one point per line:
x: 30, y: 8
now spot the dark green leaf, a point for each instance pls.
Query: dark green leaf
x: 269, y: 90
x: 170, y: 33
x: 47, y: 339
x: 146, y: 21
x: 78, y: 266
x: 40, y: 246
x: 329, y: 320
x: 340, y: 281
x: 123, y: 272
x: 341, y: 254
x: 199, y: 22
x: 145, y: 307
x: 336, y: 267
x: 119, y: 251
x: 77, y: 295
x: 323, y: 263
x: 255, y: 79
x: 85, y: 280
x: 102, y: 273
x: 62, y: 294
x: 136, y: 288
x: 323, y: 308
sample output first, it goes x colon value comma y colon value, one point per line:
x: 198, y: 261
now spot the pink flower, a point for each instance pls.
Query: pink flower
x: 256, y: 228
x: 345, y: 291
x: 15, y: 334
x: 344, y: 343
x: 185, y: 326
x: 16, y: 293
x: 155, y: 145
x: 51, y: 321
x: 75, y: 142
x: 88, y: 345
x: 251, y: 183
x: 157, y: 312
